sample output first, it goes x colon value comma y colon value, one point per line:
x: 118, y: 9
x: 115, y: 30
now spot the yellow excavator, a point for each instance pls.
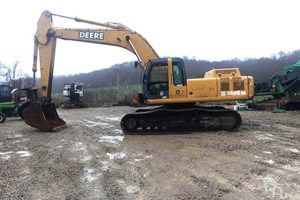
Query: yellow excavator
x: 177, y: 101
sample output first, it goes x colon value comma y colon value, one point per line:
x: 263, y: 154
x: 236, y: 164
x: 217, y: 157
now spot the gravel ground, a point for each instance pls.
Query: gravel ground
x: 93, y: 159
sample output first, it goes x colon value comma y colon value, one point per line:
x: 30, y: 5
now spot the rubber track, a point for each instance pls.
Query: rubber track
x: 164, y: 119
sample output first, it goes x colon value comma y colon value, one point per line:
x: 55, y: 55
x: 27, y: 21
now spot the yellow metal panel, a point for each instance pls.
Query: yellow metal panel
x: 202, y: 88
x: 226, y: 72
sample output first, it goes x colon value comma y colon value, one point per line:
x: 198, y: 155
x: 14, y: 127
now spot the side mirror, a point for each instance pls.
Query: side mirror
x: 136, y: 64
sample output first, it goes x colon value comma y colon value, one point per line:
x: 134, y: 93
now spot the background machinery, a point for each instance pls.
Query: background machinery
x: 165, y: 85
x: 15, y: 106
x: 282, y: 91
x: 5, y: 92
x: 74, y: 94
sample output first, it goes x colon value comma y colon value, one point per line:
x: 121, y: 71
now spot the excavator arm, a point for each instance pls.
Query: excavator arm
x: 42, y: 112
x: 113, y: 35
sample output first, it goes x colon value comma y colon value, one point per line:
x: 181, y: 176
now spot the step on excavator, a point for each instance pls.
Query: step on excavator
x: 178, y: 102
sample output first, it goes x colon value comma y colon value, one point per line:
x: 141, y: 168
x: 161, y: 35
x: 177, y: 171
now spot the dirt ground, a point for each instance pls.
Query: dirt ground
x: 93, y: 159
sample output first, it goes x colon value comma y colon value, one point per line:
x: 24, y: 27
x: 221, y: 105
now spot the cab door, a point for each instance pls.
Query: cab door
x: 177, y: 78
x: 156, y: 80
x: 164, y: 80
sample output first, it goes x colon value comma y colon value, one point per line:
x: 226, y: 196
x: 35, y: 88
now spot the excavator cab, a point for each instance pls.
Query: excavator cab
x: 163, y: 77
x: 156, y: 85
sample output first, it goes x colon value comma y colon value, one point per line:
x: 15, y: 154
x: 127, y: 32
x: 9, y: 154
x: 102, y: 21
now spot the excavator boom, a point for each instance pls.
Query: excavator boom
x: 42, y: 113
x: 109, y: 34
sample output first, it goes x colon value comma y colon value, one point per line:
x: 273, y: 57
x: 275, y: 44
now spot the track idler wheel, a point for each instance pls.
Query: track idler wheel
x: 129, y: 123
x: 230, y: 121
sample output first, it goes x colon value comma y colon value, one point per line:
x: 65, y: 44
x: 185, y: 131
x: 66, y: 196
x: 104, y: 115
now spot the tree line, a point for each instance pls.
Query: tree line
x: 262, y: 69
x: 121, y: 75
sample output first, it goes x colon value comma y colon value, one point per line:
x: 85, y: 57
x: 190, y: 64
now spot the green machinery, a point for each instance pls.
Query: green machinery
x: 16, y: 106
x: 5, y: 90
x: 282, y: 91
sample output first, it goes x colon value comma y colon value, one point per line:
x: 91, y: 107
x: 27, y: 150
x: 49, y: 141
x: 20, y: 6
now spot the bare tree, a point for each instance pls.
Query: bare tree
x: 14, y: 75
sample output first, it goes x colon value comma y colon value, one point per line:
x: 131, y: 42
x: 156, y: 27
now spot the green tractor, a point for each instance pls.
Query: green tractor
x: 5, y: 92
x: 16, y: 106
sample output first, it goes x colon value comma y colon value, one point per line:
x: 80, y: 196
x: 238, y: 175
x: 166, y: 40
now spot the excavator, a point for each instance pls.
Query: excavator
x: 173, y: 101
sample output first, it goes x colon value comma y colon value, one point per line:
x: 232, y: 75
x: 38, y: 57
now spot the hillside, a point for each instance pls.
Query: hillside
x: 262, y: 69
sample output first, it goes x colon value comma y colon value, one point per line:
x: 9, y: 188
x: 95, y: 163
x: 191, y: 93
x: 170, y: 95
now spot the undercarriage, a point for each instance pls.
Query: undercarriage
x: 178, y: 119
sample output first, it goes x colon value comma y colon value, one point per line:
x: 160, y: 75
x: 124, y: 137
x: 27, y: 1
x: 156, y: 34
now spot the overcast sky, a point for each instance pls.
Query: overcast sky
x: 209, y: 30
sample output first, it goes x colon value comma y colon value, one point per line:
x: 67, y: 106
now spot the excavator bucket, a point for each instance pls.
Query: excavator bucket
x: 43, y: 115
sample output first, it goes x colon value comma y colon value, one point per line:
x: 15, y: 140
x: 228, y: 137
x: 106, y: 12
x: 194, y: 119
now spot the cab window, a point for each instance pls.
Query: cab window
x: 158, y: 81
x: 159, y: 74
x: 177, y: 75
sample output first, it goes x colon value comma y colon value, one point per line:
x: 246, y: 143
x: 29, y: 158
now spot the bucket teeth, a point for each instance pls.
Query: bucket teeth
x: 43, y: 117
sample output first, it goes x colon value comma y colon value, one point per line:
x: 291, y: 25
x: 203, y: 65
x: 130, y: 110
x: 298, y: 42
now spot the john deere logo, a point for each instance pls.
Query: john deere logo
x: 91, y: 35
